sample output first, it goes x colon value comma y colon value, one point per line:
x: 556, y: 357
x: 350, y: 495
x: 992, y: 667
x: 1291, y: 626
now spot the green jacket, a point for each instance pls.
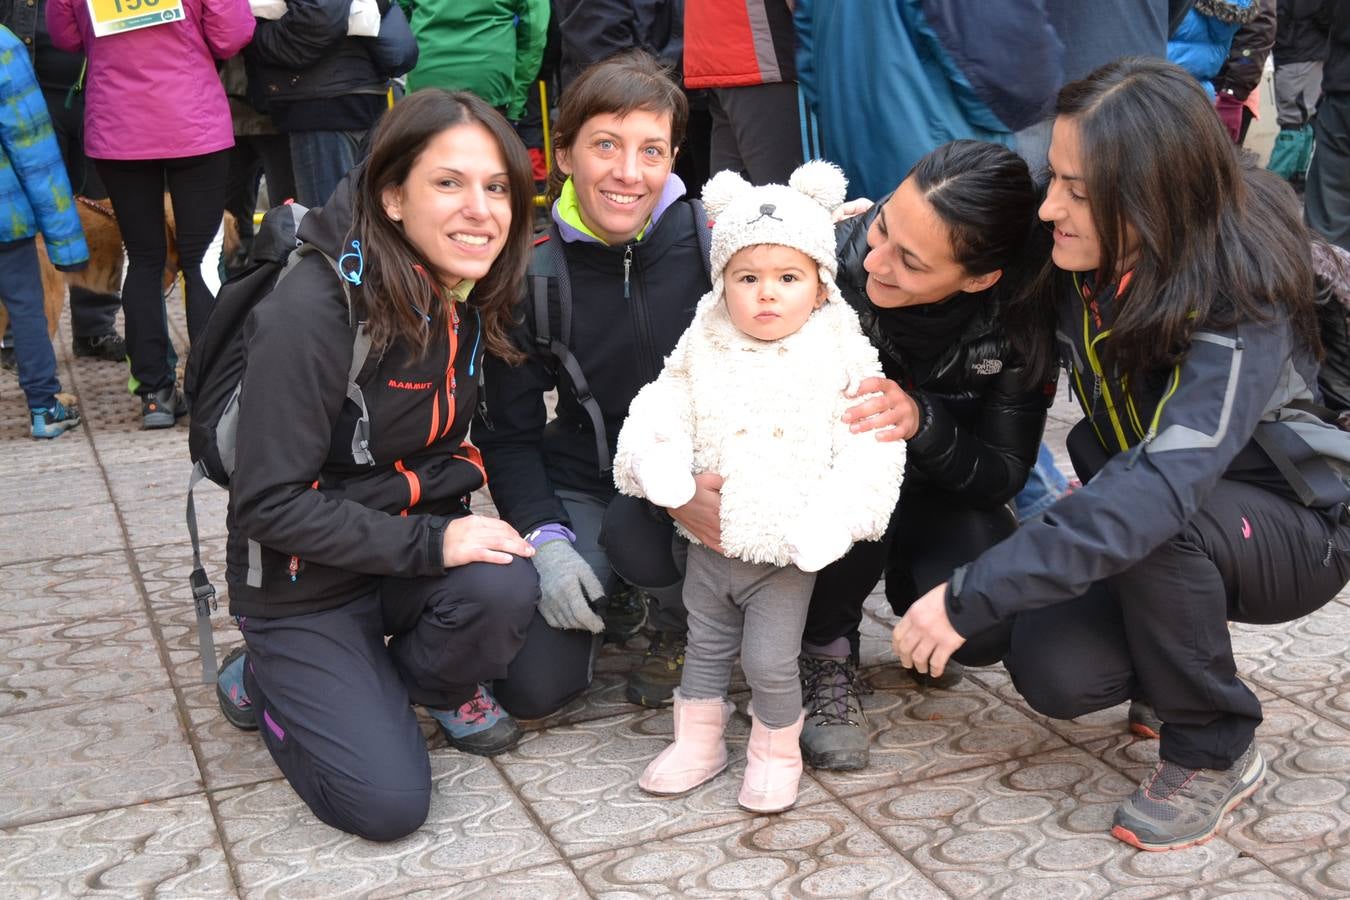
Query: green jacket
x: 490, y: 47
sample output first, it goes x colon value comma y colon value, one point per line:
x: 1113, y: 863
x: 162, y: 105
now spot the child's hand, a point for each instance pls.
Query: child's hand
x: 891, y: 412
x: 664, y: 478
x: 815, y: 545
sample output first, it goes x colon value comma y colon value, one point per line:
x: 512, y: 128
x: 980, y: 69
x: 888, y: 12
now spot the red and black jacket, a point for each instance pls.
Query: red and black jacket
x: 309, y: 529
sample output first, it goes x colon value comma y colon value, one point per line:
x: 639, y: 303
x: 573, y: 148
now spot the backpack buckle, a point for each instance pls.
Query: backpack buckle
x: 203, y: 592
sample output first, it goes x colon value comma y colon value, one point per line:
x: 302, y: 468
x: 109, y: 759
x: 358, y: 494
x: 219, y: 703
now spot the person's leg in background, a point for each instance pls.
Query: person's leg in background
x: 1327, y: 202
x: 136, y: 189
x: 756, y: 131
x: 21, y: 291
x: 197, y: 191
x: 1045, y: 484
x: 1297, y: 87
x: 93, y: 314
x: 319, y: 160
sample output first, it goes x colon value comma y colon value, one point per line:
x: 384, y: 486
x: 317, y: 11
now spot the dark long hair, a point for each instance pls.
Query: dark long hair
x: 625, y: 82
x: 1218, y: 241
x: 396, y: 274
x: 984, y: 194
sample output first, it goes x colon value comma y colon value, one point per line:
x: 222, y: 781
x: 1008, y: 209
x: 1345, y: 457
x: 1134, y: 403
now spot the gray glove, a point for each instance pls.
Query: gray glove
x: 567, y: 585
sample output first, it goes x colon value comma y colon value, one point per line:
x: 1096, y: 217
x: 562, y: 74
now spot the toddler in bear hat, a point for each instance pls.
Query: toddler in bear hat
x: 755, y: 391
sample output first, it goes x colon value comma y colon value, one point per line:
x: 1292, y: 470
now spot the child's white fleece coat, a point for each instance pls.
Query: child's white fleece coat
x: 767, y: 417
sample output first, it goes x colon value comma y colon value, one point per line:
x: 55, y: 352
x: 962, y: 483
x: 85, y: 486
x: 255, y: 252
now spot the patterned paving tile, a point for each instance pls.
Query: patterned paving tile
x: 66, y: 589
x: 476, y: 828
x: 55, y: 664
x: 52, y: 491
x: 918, y: 733
x: 93, y: 756
x: 25, y: 456
x: 581, y: 782
x: 1033, y: 827
x: 152, y: 498
x: 821, y: 850
x: 555, y: 882
x: 39, y: 534
x: 167, y: 849
x: 1298, y: 656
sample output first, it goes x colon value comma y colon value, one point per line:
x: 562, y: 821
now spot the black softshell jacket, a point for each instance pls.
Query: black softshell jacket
x: 310, y: 529
x: 630, y: 304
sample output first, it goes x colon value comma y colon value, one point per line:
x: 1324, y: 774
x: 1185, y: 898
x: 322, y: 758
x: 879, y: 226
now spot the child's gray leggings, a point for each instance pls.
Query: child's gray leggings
x: 757, y: 611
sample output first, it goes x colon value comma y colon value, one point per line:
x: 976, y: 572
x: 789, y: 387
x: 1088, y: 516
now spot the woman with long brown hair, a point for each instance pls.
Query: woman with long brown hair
x: 1180, y: 300
x: 327, y: 555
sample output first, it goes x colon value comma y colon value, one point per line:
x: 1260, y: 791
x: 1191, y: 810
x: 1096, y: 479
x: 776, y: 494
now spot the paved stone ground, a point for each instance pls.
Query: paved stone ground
x: 118, y: 777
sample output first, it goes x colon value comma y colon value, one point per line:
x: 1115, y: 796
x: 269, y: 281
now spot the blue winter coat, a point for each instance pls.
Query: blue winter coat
x: 889, y: 80
x: 1200, y: 43
x: 34, y: 189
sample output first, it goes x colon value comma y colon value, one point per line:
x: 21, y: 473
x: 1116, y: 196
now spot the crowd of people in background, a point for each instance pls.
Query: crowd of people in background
x: 1034, y: 186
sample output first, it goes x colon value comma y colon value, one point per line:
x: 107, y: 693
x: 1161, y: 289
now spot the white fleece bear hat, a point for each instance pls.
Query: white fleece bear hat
x: 798, y: 214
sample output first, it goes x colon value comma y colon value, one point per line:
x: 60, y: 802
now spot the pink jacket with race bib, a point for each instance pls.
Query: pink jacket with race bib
x: 153, y: 93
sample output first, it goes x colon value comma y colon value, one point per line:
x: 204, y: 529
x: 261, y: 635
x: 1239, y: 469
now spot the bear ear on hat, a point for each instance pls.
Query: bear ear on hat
x: 822, y: 181
x: 721, y: 189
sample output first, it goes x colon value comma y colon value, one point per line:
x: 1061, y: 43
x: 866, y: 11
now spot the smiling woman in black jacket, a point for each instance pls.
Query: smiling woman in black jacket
x: 327, y: 554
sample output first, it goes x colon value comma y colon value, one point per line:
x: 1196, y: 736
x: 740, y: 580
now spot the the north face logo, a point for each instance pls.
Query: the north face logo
x: 988, y: 367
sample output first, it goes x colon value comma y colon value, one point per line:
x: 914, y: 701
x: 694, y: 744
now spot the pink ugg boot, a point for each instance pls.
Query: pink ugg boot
x: 773, y: 766
x: 698, y: 752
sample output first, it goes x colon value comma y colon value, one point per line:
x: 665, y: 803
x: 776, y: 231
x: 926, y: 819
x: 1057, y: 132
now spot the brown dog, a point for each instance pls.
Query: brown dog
x: 104, y: 272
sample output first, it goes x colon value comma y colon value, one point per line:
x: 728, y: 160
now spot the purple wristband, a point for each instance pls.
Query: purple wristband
x: 553, y: 531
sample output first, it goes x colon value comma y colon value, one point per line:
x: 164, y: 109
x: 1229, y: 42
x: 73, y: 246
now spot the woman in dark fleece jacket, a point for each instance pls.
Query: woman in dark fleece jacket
x: 327, y: 555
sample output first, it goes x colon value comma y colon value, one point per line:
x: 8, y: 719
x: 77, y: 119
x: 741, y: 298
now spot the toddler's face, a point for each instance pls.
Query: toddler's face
x: 771, y: 290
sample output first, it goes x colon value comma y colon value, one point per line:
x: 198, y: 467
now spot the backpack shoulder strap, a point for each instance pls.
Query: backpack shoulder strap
x: 549, y: 265
x: 703, y: 230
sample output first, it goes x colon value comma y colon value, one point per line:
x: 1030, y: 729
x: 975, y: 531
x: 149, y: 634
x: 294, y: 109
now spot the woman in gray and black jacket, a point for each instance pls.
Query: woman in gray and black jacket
x: 1180, y: 301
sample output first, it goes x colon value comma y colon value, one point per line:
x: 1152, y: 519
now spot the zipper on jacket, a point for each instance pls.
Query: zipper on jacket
x: 627, y: 267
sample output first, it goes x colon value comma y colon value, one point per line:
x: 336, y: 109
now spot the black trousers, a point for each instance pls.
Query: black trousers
x: 196, y: 186
x: 931, y: 533
x: 333, y: 700
x: 557, y: 665
x: 1327, y: 201
x: 1159, y: 631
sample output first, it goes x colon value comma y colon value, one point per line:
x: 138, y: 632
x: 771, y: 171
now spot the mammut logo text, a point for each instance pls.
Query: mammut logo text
x: 410, y: 385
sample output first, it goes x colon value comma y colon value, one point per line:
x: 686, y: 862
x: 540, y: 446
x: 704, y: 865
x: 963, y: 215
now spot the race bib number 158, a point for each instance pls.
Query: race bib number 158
x: 114, y: 16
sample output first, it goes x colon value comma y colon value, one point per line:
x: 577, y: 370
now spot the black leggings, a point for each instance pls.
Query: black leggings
x: 931, y: 533
x: 196, y: 185
x: 1159, y: 631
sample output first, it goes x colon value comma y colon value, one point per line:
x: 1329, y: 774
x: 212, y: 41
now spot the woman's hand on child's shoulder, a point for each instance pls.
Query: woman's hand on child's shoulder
x: 481, y: 539
x: 890, y: 411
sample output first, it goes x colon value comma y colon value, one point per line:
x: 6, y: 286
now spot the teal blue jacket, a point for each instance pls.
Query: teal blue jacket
x: 34, y: 190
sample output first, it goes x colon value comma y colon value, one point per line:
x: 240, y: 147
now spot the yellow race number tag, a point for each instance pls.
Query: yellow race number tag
x: 113, y: 16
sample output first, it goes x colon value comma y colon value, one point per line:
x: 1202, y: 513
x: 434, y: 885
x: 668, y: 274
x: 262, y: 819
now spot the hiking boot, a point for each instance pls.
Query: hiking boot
x: 951, y: 675
x: 162, y: 408
x: 8, y: 361
x: 624, y: 612
x: 479, y: 726
x: 108, y: 347
x: 1144, y: 720
x: 55, y: 420
x: 231, y: 694
x: 654, y: 681
x: 1176, y: 807
x: 835, y: 734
